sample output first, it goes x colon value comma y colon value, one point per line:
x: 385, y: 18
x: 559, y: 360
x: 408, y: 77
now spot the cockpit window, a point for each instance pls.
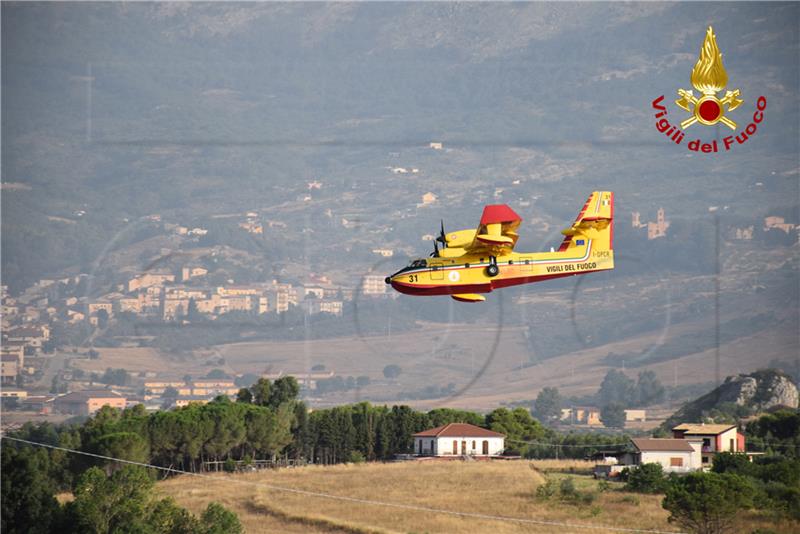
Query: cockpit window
x: 418, y: 263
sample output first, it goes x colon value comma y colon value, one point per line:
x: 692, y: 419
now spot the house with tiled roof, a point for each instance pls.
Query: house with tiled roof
x: 674, y: 455
x: 87, y: 402
x: 715, y: 438
x: 458, y: 439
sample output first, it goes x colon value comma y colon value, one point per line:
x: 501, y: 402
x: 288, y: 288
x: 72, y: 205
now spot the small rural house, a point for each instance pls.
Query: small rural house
x: 674, y: 455
x: 458, y: 439
x: 714, y: 438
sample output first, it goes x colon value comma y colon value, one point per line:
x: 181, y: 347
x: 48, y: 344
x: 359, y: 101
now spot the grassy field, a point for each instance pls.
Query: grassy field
x: 505, y: 489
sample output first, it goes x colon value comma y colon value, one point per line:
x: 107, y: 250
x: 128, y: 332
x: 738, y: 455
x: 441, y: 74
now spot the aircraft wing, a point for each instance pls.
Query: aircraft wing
x: 497, y: 231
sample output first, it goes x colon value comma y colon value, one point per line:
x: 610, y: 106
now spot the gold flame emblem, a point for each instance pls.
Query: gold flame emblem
x: 709, y: 77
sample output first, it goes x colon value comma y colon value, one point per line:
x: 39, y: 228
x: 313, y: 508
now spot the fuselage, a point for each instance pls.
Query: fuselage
x: 468, y: 273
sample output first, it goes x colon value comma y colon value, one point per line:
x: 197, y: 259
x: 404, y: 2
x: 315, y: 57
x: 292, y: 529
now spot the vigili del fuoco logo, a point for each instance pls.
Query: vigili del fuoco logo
x: 707, y: 109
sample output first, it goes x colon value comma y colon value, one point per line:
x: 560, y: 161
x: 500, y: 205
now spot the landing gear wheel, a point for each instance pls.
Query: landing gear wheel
x: 492, y: 270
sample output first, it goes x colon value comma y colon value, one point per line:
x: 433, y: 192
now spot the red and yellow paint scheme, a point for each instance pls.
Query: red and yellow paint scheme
x: 481, y: 260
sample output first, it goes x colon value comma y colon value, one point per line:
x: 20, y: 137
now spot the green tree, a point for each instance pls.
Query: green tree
x: 105, y: 504
x: 217, y: 374
x: 244, y: 395
x: 166, y: 517
x: 102, y: 318
x: 707, y: 503
x: 125, y: 446
x: 28, y: 501
x: 217, y: 519
x: 260, y: 392
x: 284, y: 389
x: 649, y: 389
x: 616, y: 387
x: 191, y: 312
x: 548, y: 404
x: 613, y: 415
x: 392, y: 371
x: 518, y: 425
x: 58, y: 385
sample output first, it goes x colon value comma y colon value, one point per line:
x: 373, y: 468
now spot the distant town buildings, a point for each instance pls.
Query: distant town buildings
x: 744, y: 234
x: 149, y: 280
x: 654, y: 229
x: 436, y: 145
x: 9, y: 369
x: 428, y: 199
x: 205, y: 388
x: 778, y: 223
x: 373, y: 285
x: 87, y: 402
x: 385, y: 252
x: 581, y: 415
x: 187, y: 273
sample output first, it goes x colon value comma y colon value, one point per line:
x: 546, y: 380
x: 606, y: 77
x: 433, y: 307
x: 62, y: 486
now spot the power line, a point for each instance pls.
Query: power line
x: 472, y: 515
x: 563, y: 445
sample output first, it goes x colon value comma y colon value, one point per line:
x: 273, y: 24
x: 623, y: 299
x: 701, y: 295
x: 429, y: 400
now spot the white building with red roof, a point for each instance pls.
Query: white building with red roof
x: 459, y: 439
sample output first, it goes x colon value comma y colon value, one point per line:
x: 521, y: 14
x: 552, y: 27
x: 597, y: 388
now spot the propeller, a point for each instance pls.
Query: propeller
x: 440, y: 239
x: 442, y: 236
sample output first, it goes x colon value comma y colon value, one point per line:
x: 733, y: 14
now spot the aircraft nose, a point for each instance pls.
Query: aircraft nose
x: 388, y: 279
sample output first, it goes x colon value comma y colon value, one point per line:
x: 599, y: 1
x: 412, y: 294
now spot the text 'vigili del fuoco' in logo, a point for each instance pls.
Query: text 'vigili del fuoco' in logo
x: 709, y: 78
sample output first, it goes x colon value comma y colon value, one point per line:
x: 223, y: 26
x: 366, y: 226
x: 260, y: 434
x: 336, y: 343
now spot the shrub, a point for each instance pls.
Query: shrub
x: 567, y: 489
x: 547, y: 490
x: 356, y: 457
x: 603, y: 486
x: 646, y: 478
x: 229, y: 465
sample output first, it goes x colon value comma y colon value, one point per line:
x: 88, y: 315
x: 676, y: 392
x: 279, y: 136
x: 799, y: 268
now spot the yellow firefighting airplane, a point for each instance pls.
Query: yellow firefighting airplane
x: 478, y: 261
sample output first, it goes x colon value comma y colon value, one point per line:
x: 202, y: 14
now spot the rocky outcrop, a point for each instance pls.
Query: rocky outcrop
x: 759, y: 391
x: 740, y: 395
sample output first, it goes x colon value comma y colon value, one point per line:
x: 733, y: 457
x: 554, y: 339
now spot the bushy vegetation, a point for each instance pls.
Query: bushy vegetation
x: 707, y: 503
x: 775, y: 480
x: 565, y: 491
x: 645, y: 478
x: 103, y: 503
x: 777, y: 433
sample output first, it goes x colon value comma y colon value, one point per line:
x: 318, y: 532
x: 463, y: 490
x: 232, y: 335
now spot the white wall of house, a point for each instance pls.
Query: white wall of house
x: 672, y: 461
x: 464, y: 445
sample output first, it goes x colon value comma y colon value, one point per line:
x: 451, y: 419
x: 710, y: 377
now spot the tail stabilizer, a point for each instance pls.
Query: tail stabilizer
x: 595, y: 222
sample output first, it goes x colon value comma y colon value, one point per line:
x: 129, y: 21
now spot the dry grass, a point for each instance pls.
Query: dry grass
x: 131, y: 358
x: 492, y: 488
x: 563, y: 466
